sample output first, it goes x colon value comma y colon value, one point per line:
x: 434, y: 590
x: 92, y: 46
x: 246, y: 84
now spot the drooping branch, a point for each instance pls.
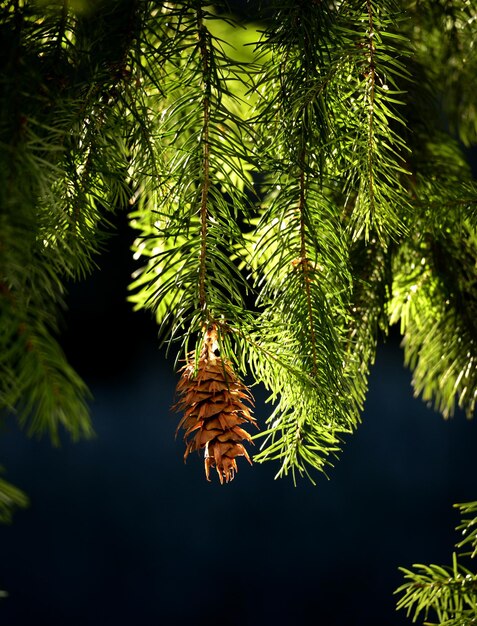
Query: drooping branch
x: 205, y: 181
x: 371, y: 81
x: 304, y: 260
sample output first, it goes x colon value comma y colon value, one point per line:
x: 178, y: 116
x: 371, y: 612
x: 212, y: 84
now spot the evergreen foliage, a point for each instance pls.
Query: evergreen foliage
x: 10, y: 498
x: 299, y: 191
x: 445, y: 593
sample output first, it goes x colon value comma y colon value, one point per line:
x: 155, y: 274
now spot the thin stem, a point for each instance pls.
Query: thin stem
x: 371, y: 79
x: 204, y: 52
x: 305, y: 266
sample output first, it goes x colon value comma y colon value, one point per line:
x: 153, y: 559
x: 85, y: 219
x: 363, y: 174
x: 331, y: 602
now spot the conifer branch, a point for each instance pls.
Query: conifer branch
x: 205, y: 159
x: 370, y: 77
x: 361, y: 187
x: 370, y: 129
x: 11, y: 499
x: 303, y: 261
x: 446, y: 593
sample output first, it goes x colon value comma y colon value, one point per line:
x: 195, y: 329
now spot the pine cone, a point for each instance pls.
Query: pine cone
x: 211, y: 397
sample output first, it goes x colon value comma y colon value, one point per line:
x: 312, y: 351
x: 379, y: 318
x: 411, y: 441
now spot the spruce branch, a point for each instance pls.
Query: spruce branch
x: 61, y: 170
x: 444, y: 35
x: 304, y: 262
x: 190, y: 280
x: 11, y: 498
x: 368, y: 312
x: 446, y: 593
x: 206, y: 164
x: 319, y: 161
x: 433, y: 290
x: 300, y: 270
x: 205, y: 182
x: 468, y: 527
x: 39, y: 386
x: 449, y: 592
x: 370, y: 78
x: 370, y: 127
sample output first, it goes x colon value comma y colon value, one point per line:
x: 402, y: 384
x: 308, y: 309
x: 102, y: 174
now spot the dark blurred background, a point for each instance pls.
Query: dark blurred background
x: 121, y: 532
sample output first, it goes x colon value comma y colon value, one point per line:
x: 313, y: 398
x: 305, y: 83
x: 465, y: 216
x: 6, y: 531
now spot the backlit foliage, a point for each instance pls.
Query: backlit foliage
x: 296, y: 181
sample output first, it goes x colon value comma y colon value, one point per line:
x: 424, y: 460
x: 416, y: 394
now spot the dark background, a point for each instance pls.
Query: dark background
x: 121, y: 532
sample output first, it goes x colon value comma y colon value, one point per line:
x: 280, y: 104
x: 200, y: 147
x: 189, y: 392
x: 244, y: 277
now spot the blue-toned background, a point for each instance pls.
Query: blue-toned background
x: 121, y: 532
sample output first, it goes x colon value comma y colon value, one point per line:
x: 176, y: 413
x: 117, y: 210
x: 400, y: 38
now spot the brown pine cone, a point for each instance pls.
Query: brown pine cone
x: 211, y: 397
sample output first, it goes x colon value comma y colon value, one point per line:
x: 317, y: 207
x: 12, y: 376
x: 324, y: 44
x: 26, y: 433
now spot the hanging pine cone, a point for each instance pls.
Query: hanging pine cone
x: 211, y: 397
